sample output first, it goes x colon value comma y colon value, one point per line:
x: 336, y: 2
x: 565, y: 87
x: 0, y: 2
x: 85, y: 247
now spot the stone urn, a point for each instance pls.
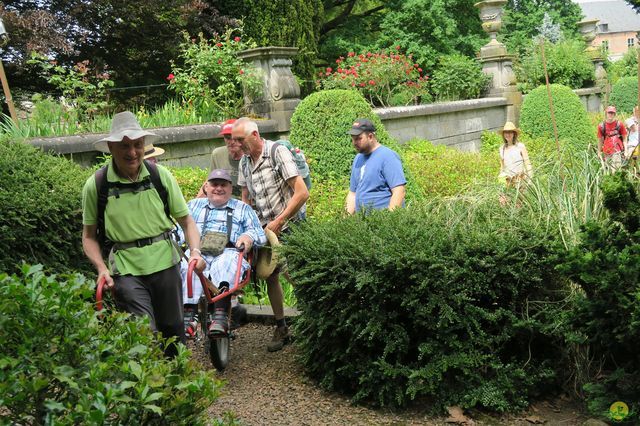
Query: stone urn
x: 491, y: 17
x: 587, y: 29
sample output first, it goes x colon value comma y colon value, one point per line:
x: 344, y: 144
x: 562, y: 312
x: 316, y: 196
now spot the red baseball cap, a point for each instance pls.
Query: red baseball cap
x: 611, y: 108
x: 227, y: 126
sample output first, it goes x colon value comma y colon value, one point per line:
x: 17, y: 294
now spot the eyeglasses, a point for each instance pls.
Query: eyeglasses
x: 241, y: 140
x: 227, y: 137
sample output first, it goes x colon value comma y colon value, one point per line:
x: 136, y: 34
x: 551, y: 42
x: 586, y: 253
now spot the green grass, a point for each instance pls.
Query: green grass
x: 256, y: 294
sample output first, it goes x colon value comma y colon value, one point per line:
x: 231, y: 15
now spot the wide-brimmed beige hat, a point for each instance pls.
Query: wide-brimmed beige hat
x: 268, y: 258
x: 509, y: 127
x: 125, y: 124
x: 152, y: 151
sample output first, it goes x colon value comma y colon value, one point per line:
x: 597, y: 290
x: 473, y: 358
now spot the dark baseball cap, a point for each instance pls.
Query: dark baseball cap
x: 219, y: 174
x: 361, y: 125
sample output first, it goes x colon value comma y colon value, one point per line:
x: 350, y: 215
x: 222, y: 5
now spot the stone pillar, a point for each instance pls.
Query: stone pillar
x: 587, y: 29
x: 281, y: 92
x: 496, y: 61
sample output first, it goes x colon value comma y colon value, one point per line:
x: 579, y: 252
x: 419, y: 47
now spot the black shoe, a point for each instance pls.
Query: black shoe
x: 220, y: 323
x: 238, y: 316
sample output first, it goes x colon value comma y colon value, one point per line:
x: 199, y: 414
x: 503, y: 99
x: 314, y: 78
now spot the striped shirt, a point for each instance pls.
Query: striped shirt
x: 267, y: 186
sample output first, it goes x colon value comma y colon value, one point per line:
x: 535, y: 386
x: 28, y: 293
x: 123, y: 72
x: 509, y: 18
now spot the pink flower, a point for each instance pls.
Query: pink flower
x: 236, y: 39
x: 372, y: 82
x: 170, y: 77
x: 329, y: 70
x: 351, y: 54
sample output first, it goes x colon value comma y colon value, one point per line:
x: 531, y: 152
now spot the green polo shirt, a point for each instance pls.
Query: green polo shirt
x: 135, y: 215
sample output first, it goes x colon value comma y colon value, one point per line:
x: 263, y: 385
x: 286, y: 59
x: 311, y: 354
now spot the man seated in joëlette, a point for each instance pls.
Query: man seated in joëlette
x: 212, y: 214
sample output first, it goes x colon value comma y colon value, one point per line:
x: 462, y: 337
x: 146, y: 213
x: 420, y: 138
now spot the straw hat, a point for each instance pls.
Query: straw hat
x: 268, y: 258
x: 509, y: 127
x: 124, y: 124
x: 152, y: 151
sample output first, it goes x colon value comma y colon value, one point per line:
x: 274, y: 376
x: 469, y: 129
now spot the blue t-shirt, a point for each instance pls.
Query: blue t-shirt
x: 373, y: 176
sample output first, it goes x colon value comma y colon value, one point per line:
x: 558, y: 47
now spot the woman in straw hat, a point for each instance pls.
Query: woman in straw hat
x: 514, y: 158
x: 151, y: 153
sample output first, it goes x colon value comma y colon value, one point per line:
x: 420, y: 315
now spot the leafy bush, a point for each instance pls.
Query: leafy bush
x: 84, y: 89
x: 384, y: 79
x: 429, y: 302
x: 441, y: 171
x: 605, y: 266
x: 458, y: 77
x: 212, y: 77
x: 573, y: 124
x: 62, y: 363
x: 624, y: 94
x: 190, y: 180
x: 40, y: 209
x: 567, y: 64
x: 625, y: 67
x: 319, y: 127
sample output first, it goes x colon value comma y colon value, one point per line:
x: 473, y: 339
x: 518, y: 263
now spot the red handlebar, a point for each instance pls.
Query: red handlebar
x: 210, y: 298
x: 99, y: 290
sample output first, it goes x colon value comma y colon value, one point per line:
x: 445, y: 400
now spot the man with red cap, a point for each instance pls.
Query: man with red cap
x: 612, y: 139
x: 227, y: 157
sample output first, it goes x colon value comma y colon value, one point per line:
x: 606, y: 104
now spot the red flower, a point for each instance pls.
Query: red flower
x: 219, y: 61
x: 236, y: 39
x: 241, y: 71
x: 397, y: 47
x: 372, y: 82
x: 218, y: 44
x: 170, y: 77
x: 329, y: 70
x: 351, y: 54
x: 362, y: 84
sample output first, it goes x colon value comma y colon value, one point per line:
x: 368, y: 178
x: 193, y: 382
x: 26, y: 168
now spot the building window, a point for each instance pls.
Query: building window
x: 604, y: 28
x: 630, y: 42
x: 605, y: 45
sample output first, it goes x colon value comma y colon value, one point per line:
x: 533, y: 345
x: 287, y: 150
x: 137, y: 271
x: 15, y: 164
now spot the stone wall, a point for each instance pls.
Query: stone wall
x: 457, y: 124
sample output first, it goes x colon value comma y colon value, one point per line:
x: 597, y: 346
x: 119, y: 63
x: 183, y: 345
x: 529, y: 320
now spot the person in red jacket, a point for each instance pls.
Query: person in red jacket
x: 612, y: 139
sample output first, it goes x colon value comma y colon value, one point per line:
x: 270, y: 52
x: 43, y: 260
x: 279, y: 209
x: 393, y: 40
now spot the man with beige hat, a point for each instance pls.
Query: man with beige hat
x: 129, y: 220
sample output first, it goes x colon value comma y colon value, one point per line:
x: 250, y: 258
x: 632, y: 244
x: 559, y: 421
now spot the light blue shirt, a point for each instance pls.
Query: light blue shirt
x: 373, y: 176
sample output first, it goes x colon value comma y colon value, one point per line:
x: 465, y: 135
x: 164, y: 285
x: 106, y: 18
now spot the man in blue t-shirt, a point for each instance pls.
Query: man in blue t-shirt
x: 377, y: 180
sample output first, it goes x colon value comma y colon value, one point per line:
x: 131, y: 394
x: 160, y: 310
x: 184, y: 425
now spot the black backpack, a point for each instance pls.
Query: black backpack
x: 103, y: 186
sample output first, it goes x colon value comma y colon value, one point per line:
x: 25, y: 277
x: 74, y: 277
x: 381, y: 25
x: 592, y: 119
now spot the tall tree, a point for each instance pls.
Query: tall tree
x: 524, y: 18
x: 134, y: 39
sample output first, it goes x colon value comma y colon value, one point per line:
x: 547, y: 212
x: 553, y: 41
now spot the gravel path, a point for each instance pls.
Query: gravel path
x: 270, y: 389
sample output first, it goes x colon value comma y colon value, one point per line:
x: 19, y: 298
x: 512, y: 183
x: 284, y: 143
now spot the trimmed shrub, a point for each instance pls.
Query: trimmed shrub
x: 428, y: 302
x: 567, y: 64
x: 573, y: 124
x: 605, y: 266
x: 319, y: 127
x: 40, y: 209
x: 63, y: 363
x: 624, y: 94
x: 327, y: 199
x: 458, y: 77
x: 441, y: 171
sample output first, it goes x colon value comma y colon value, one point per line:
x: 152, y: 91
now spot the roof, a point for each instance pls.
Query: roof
x: 618, y: 14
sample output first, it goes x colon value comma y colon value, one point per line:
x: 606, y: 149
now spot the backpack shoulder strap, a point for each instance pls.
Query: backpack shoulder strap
x: 272, y: 155
x: 102, y: 188
x: 154, y: 176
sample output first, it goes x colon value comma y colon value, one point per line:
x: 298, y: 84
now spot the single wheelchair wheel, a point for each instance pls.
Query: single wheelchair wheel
x: 219, y: 351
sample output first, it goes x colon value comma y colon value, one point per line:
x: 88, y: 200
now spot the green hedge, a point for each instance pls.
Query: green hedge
x: 572, y: 121
x: 429, y: 302
x: 437, y: 170
x: 63, y: 363
x: 40, y: 209
x: 605, y: 266
x: 319, y: 127
x: 624, y: 94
